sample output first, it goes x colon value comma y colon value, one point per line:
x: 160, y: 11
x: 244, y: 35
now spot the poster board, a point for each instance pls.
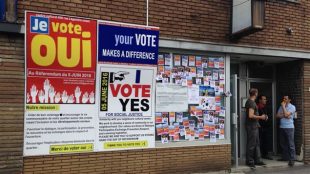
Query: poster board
x: 63, y: 86
x: 200, y: 115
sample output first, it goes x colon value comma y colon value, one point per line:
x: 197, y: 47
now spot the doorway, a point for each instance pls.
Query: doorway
x: 268, y: 131
x: 246, y: 76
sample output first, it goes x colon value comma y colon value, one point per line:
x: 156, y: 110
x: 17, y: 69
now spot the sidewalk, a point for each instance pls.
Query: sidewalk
x: 304, y: 169
x: 271, y: 164
x: 272, y: 167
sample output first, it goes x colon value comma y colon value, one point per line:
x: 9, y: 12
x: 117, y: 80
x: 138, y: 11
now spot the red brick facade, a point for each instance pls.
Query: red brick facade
x: 189, y: 19
x: 162, y: 160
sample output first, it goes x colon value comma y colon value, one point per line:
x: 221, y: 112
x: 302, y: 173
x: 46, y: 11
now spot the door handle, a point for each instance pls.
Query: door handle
x: 235, y: 118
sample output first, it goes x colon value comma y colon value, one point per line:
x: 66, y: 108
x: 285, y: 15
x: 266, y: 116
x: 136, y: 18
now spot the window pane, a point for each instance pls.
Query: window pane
x: 257, y: 70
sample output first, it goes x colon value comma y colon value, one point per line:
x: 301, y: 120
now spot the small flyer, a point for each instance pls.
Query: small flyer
x: 171, y: 131
x: 179, y: 116
x: 159, y: 129
x: 191, y: 124
x: 216, y: 63
x: 165, y: 117
x: 187, y: 133
x: 198, y: 61
x: 208, y: 74
x: 165, y: 78
x: 200, y: 123
x: 204, y: 62
x: 161, y: 69
x: 191, y: 61
x: 221, y: 62
x: 176, y: 137
x: 158, y: 117
x: 206, y: 81
x: 167, y: 59
x: 199, y: 72
x: 215, y: 75
x: 193, y: 95
x: 178, y: 80
x: 211, y: 63
x: 222, y: 74
x: 207, y: 103
x: 181, y: 71
x: 206, y: 91
x: 182, y: 130
x: 177, y: 60
x: 161, y: 60
x: 199, y: 81
x: 206, y: 129
x: 165, y: 128
x: 212, y: 134
x: 222, y: 112
x: 222, y: 123
x: 164, y: 138
x: 171, y: 117
x: 222, y: 134
x: 184, y: 60
x: 212, y: 83
x: 185, y: 122
x: 201, y: 134
x: 177, y: 127
x: 174, y: 72
x: 167, y: 70
x: 193, y: 71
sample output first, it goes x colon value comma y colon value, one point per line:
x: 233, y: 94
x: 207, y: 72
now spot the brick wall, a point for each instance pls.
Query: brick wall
x: 161, y: 160
x: 191, y: 19
x: 290, y: 82
x: 188, y: 19
x: 306, y: 109
x: 11, y: 102
x: 279, y: 16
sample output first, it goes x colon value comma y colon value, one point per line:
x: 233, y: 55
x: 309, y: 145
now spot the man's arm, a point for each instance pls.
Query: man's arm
x: 253, y: 116
x: 280, y: 114
x: 286, y: 113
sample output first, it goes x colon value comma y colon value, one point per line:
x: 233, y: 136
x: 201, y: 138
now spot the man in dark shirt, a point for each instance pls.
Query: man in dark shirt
x: 253, y: 156
x: 265, y: 130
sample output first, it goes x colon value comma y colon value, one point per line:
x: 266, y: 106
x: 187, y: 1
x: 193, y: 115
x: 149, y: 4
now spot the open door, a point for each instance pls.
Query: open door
x: 234, y: 118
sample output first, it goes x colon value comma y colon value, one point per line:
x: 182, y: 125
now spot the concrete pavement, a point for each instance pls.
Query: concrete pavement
x: 305, y: 169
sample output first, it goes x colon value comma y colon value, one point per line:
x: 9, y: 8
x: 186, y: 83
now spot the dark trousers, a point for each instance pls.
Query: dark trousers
x: 287, y: 143
x: 265, y: 138
x: 253, y: 147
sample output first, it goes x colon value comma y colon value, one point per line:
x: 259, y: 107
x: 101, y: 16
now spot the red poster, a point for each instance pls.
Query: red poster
x: 61, y: 59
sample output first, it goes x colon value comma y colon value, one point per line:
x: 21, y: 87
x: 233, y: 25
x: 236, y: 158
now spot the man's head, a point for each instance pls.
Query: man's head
x: 262, y: 99
x: 253, y: 92
x: 286, y: 99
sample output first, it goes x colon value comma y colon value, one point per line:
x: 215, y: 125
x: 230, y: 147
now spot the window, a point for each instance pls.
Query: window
x: 8, y: 11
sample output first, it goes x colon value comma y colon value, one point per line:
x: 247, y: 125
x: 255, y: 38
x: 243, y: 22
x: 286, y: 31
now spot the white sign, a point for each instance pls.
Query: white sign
x: 171, y: 98
x: 193, y: 94
x: 127, y: 107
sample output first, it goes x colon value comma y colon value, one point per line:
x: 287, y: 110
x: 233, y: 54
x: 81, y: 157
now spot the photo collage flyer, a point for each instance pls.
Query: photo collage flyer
x: 204, y: 77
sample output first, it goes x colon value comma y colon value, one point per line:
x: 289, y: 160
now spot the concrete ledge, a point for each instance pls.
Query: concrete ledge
x: 173, y: 43
x: 12, y: 28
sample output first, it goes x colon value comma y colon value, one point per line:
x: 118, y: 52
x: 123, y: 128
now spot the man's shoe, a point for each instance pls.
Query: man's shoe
x: 291, y: 163
x: 261, y: 163
x: 251, y: 165
x: 281, y: 159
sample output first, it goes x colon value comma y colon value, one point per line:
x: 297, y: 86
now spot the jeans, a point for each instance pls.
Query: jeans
x: 287, y: 143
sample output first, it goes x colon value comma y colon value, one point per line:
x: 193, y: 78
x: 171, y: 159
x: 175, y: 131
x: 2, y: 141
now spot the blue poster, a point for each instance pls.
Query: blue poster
x: 127, y: 44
